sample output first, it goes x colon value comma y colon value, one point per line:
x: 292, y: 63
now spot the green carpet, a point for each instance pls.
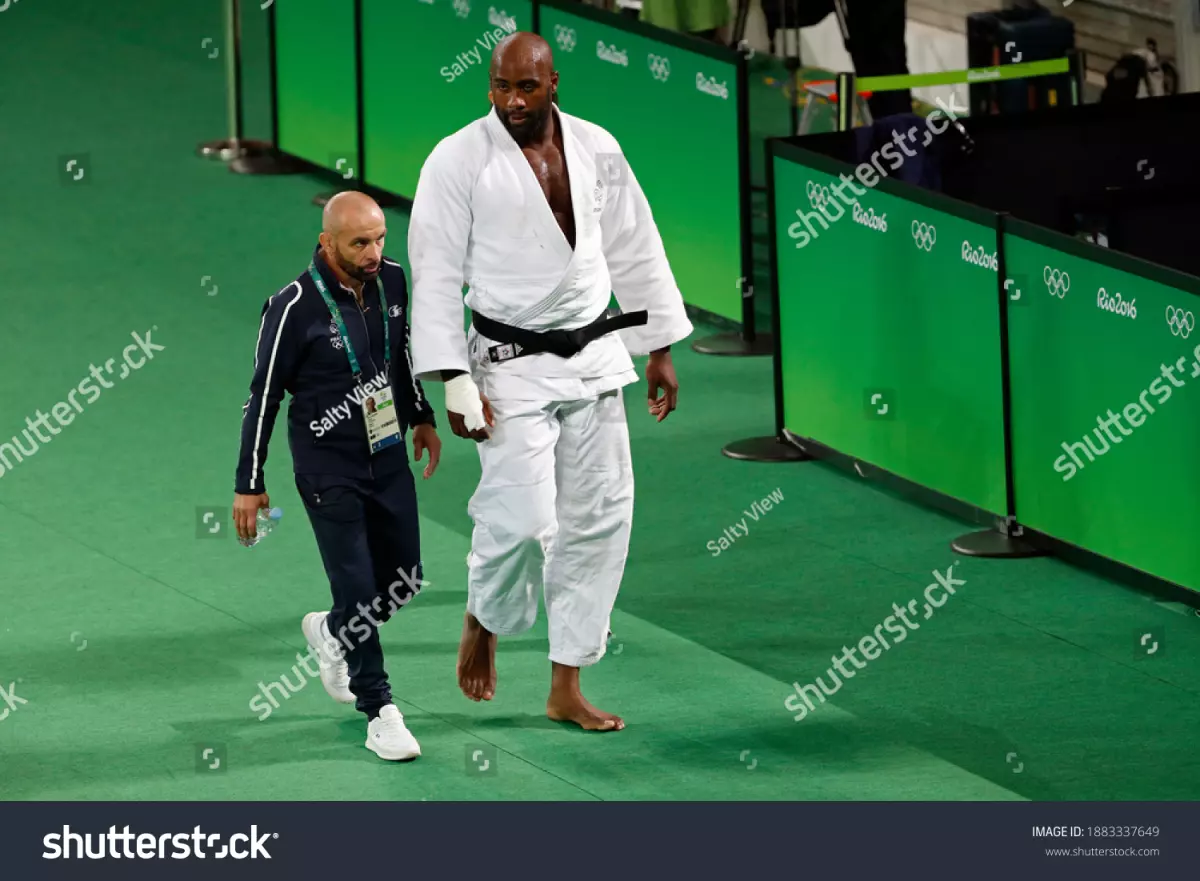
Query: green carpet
x: 137, y: 645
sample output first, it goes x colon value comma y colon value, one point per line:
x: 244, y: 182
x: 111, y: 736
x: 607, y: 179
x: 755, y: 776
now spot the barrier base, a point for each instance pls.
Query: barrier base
x: 264, y: 163
x: 231, y: 148
x: 991, y: 543
x: 735, y: 344
x: 765, y: 449
x: 248, y: 157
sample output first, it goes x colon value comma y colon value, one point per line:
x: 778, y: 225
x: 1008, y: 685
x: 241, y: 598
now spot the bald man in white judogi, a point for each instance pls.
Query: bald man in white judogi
x: 536, y: 211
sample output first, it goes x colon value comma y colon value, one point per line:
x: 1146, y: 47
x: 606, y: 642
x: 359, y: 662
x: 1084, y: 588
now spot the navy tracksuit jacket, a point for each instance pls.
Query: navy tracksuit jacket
x: 363, y: 507
x: 300, y: 352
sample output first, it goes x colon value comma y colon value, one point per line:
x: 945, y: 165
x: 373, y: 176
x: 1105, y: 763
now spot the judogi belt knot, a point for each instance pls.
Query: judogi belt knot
x: 517, y: 342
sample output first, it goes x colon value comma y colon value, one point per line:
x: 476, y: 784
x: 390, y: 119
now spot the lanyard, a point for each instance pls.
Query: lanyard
x: 337, y: 317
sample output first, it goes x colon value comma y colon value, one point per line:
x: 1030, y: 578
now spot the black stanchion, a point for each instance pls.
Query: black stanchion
x: 777, y: 447
x: 1078, y: 59
x: 747, y: 342
x: 1004, y: 540
x: 846, y: 97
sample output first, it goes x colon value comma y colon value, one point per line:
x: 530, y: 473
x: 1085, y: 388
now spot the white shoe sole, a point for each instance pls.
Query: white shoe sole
x: 401, y: 756
x: 311, y: 628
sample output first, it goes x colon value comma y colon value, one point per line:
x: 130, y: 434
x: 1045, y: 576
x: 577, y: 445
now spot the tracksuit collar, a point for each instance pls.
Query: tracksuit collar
x: 332, y: 282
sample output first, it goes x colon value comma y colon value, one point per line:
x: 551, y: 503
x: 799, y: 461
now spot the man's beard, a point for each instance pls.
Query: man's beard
x: 355, y: 271
x: 533, y: 127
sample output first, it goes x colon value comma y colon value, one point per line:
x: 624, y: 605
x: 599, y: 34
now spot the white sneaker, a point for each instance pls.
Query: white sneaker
x: 335, y: 672
x: 389, y: 738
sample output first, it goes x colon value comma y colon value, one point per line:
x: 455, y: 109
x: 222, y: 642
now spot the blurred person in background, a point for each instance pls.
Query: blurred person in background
x: 706, y: 19
x: 629, y: 8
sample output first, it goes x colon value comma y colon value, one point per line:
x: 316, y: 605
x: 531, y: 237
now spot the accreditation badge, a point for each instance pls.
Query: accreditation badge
x: 379, y: 412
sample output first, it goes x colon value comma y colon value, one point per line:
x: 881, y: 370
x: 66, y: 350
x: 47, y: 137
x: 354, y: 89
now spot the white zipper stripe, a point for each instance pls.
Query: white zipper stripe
x: 262, y: 405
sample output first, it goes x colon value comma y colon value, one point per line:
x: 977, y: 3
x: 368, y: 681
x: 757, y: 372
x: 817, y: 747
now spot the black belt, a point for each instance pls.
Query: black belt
x: 517, y: 342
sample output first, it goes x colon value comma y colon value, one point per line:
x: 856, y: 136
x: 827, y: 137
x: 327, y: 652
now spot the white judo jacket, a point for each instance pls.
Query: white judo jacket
x: 480, y: 218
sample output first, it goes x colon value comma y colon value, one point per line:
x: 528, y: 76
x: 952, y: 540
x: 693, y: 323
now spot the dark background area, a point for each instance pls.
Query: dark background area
x: 1130, y: 168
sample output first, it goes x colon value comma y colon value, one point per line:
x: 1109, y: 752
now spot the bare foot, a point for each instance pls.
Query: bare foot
x: 567, y: 703
x: 477, y: 660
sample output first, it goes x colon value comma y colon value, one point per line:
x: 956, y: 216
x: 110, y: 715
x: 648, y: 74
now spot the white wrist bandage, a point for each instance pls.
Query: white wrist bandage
x: 462, y: 396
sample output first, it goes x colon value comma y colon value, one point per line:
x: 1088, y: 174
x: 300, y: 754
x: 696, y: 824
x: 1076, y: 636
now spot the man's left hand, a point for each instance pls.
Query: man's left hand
x: 660, y: 374
x: 425, y: 438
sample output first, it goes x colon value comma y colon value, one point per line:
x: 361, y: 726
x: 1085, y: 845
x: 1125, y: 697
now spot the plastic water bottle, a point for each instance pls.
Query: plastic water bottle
x: 267, y: 521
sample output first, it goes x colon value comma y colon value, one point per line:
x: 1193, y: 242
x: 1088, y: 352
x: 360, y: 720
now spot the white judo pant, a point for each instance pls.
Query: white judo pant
x: 553, y: 513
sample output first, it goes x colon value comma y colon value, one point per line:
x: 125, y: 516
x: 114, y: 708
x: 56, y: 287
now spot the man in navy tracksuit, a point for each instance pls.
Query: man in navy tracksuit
x: 337, y: 340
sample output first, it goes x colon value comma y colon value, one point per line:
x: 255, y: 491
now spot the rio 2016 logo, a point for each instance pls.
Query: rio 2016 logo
x: 870, y: 219
x: 1116, y: 304
x: 979, y: 257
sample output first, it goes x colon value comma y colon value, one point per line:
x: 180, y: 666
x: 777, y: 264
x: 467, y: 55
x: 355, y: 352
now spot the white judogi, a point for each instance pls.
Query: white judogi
x: 554, y: 504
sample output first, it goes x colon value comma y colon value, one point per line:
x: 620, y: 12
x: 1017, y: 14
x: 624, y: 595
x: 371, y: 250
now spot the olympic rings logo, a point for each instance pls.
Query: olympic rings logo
x: 924, y: 235
x: 817, y: 194
x: 565, y: 37
x: 1057, y: 283
x: 659, y: 66
x: 1181, y: 323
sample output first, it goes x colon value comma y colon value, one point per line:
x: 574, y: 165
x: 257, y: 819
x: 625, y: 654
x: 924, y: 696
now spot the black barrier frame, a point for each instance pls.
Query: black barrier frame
x: 279, y: 161
x: 1003, y: 540
x: 777, y: 447
x: 382, y: 197
x: 323, y: 197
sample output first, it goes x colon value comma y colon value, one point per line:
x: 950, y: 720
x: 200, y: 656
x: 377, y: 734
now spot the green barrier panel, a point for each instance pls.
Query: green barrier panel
x: 316, y: 82
x: 675, y: 113
x: 889, y: 334
x: 425, y: 76
x: 1105, y: 379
